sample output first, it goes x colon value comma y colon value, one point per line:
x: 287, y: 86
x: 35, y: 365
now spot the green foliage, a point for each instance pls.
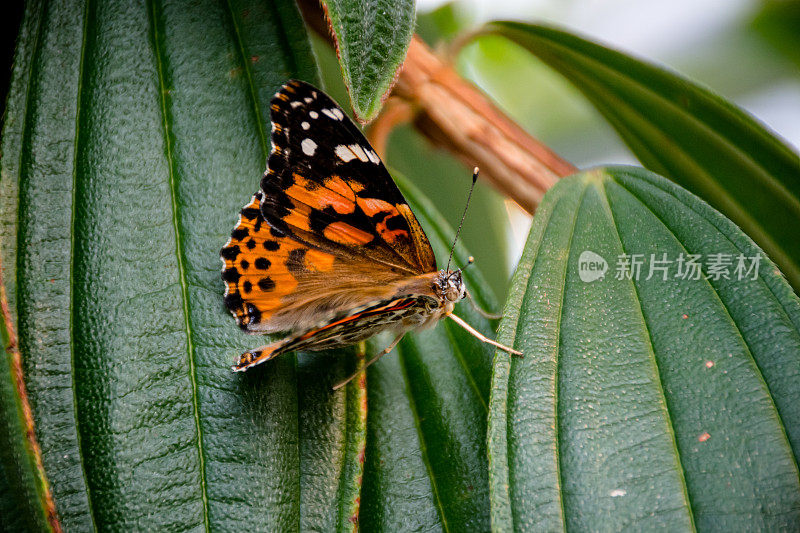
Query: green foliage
x: 372, y: 37
x: 687, y: 134
x: 128, y: 151
x: 777, y: 23
x: 662, y: 403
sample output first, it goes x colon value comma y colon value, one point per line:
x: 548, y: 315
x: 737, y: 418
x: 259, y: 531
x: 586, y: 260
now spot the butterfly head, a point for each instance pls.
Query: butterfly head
x: 450, y: 286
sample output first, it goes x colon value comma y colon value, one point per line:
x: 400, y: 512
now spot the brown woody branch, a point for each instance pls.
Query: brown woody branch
x: 453, y: 114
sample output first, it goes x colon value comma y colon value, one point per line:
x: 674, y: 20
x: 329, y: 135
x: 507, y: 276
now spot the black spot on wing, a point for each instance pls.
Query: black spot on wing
x: 231, y: 275
x: 230, y: 252
x: 397, y: 223
x: 254, y: 314
x: 250, y: 213
x: 266, y: 284
x: 240, y: 233
x: 234, y: 301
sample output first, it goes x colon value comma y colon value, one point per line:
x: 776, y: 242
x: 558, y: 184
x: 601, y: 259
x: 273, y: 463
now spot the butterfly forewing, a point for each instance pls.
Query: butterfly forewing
x: 326, y: 186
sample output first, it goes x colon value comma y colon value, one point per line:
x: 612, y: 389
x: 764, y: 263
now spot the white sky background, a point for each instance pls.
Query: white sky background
x: 657, y: 30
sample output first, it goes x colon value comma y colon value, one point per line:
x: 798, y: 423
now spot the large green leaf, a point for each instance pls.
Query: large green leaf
x: 687, y: 134
x: 647, y: 403
x: 135, y: 134
x: 371, y: 37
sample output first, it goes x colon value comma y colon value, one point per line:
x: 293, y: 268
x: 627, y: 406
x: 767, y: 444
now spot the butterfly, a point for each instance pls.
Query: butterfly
x: 328, y: 249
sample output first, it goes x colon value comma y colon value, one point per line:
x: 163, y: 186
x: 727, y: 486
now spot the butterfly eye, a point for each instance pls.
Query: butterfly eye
x: 452, y: 294
x: 454, y: 290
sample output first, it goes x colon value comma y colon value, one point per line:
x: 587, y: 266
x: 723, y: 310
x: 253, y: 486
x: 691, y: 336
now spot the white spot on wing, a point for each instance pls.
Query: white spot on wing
x: 356, y: 151
x: 344, y: 153
x: 329, y: 113
x: 313, y: 114
x: 308, y: 146
x: 307, y: 99
x: 359, y: 152
x: 338, y: 113
x: 305, y: 125
x: 295, y: 104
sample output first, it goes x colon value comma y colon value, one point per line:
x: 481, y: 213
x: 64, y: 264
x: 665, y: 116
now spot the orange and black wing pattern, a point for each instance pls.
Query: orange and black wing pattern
x: 328, y: 231
x: 263, y: 266
x: 326, y: 186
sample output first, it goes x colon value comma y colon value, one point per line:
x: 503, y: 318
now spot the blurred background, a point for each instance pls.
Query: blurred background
x: 748, y: 51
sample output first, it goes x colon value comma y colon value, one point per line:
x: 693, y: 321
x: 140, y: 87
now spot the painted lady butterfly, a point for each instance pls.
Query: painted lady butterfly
x: 328, y: 249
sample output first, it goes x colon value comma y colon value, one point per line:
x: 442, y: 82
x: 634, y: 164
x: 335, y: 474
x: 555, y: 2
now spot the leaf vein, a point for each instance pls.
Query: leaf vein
x: 73, y: 216
x: 176, y: 222
x: 664, y: 401
x: 422, y: 445
x: 248, y: 72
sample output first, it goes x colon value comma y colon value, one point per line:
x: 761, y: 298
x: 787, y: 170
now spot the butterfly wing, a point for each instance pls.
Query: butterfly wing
x: 342, y: 330
x: 329, y: 231
x: 326, y: 187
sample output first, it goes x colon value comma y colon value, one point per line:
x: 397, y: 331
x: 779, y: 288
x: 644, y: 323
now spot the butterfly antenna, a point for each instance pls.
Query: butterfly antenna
x: 458, y: 231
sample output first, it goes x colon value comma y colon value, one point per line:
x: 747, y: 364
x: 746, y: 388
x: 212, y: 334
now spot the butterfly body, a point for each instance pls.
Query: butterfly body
x: 328, y: 249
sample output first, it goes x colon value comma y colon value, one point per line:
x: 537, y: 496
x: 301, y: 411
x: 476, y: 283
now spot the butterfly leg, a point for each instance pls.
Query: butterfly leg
x: 363, y: 368
x: 483, y: 338
x: 482, y: 312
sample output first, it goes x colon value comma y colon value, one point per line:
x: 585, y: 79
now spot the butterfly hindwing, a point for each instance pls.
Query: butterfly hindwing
x: 258, y: 263
x: 360, y: 324
x: 325, y: 186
